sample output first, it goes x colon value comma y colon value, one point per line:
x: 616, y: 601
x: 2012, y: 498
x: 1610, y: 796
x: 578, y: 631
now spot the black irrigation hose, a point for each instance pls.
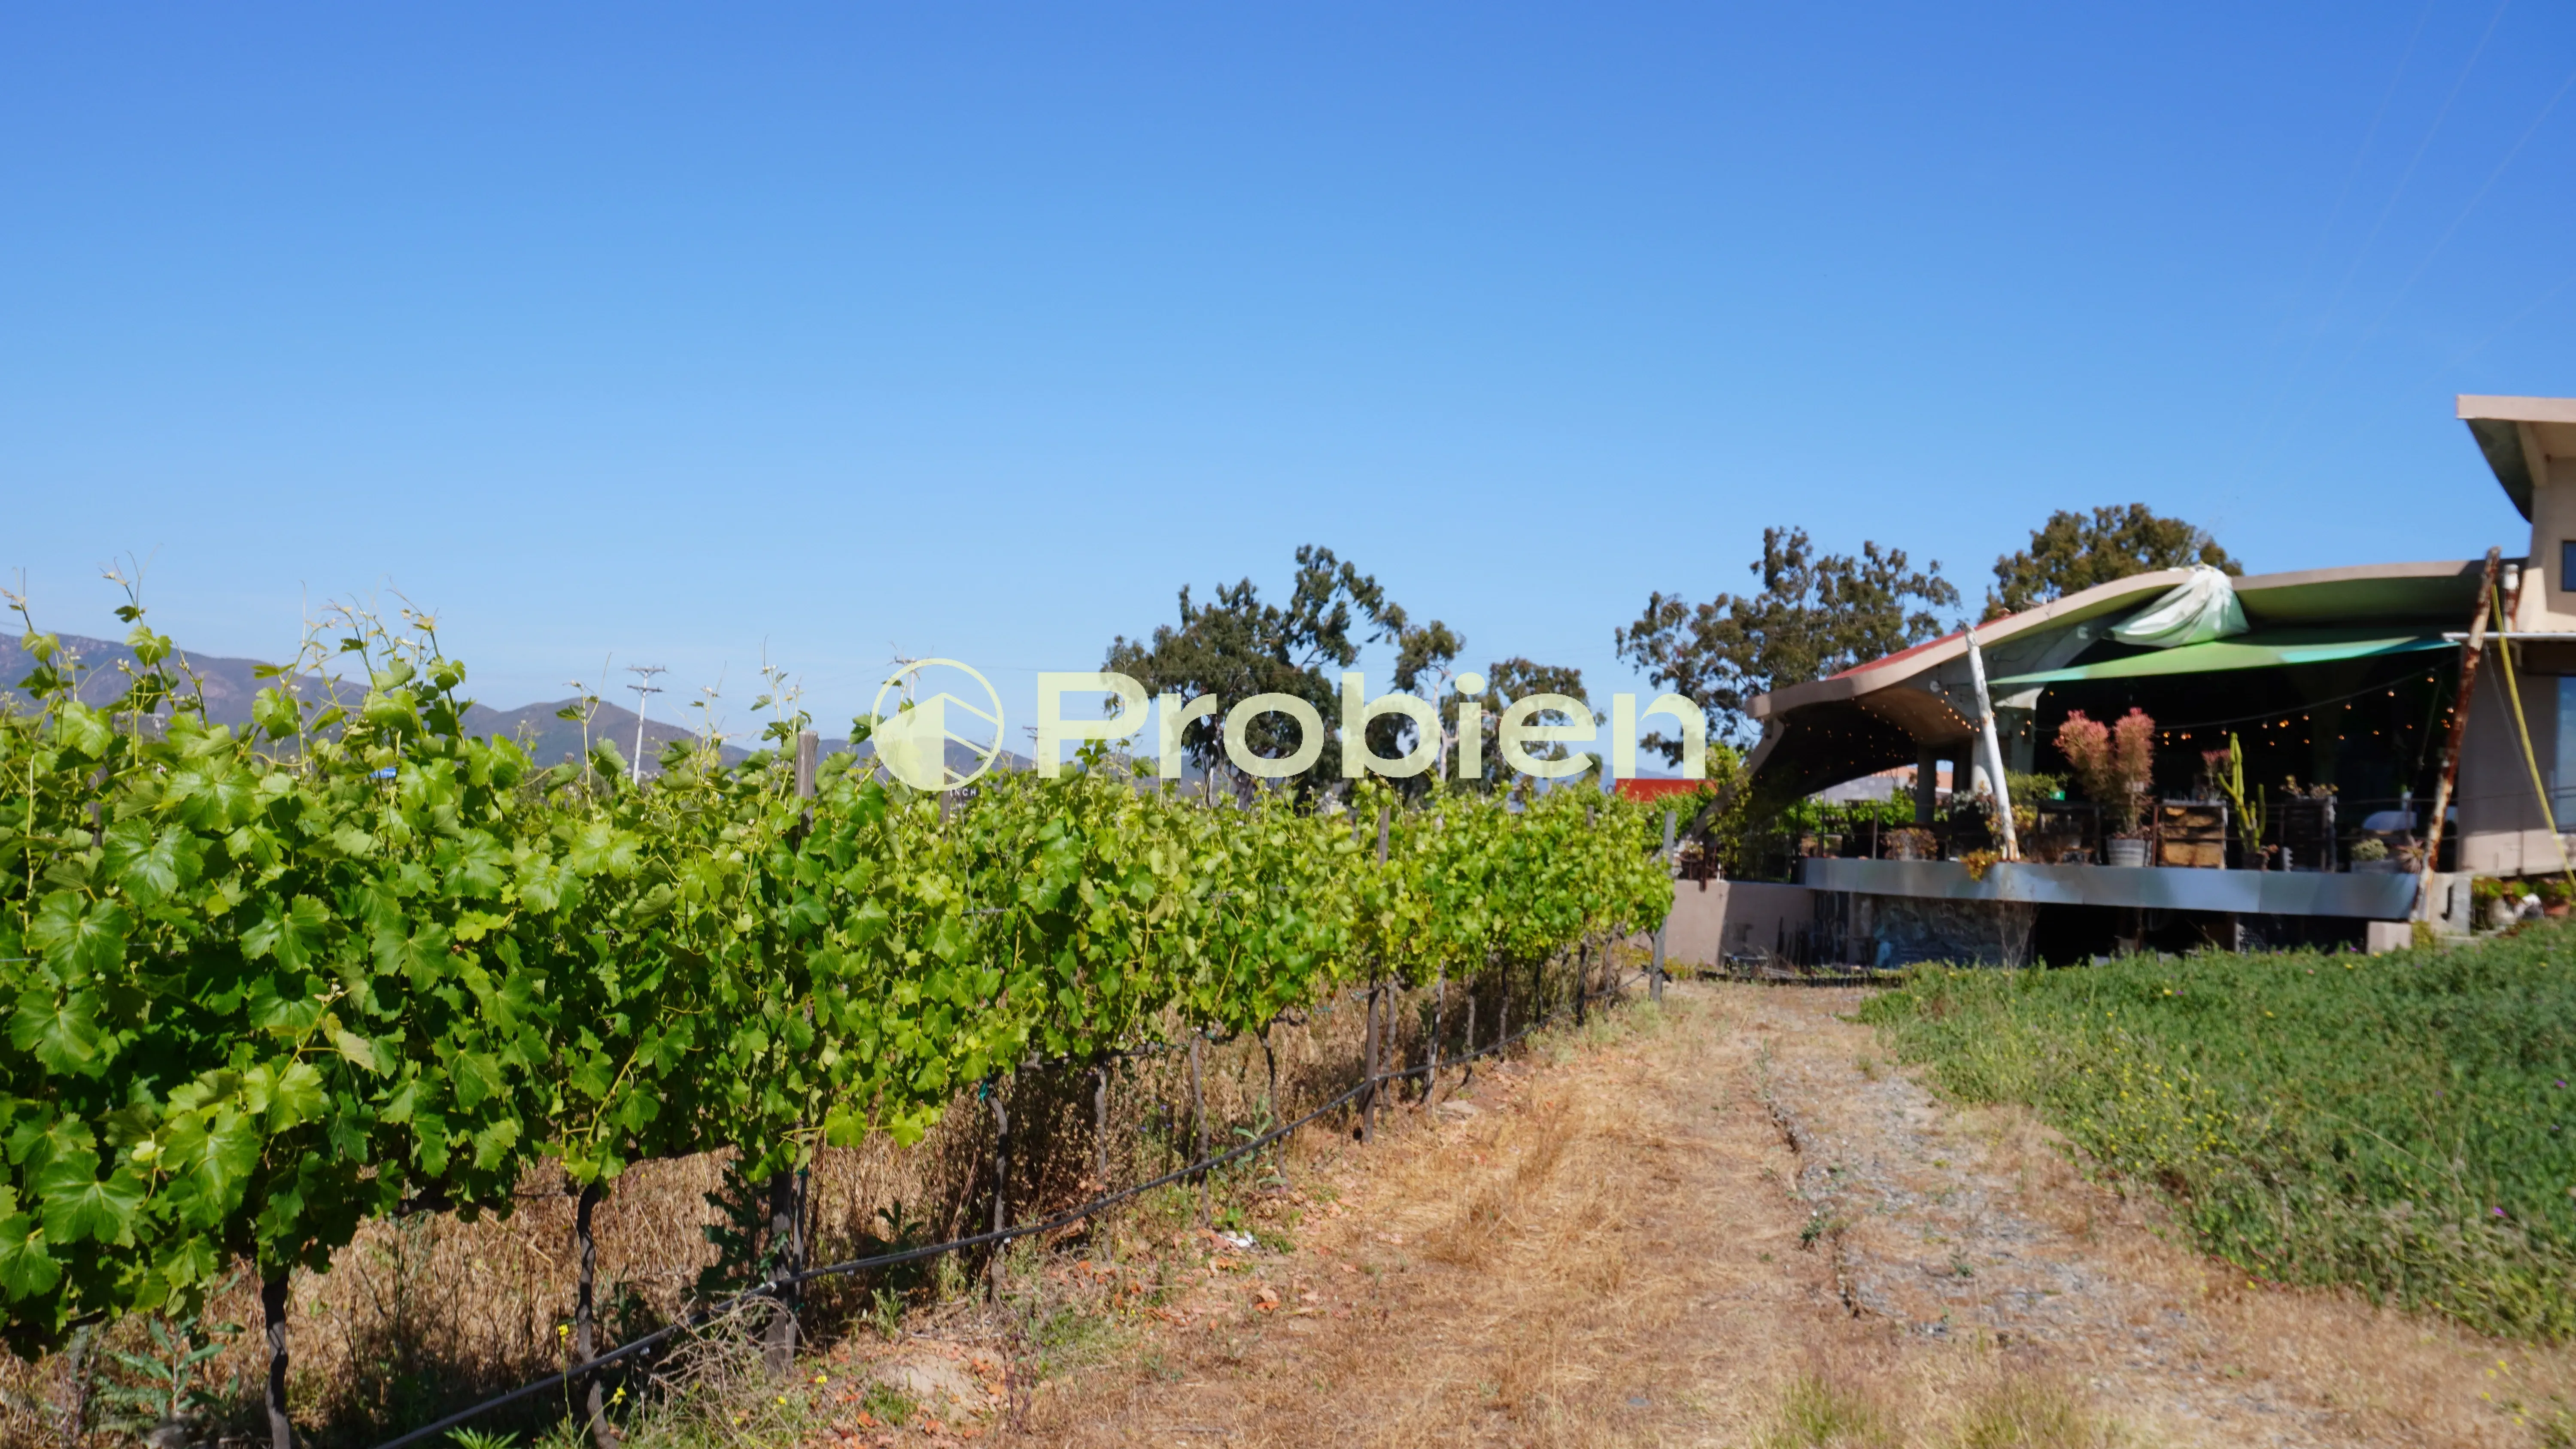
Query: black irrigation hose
x: 1061, y: 1220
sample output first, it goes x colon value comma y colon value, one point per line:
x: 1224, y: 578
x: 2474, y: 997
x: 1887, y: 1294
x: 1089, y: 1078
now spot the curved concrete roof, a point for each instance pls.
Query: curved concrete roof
x: 2355, y: 592
x: 1913, y: 691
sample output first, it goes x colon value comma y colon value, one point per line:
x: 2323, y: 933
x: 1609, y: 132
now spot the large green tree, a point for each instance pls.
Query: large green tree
x: 2075, y: 551
x: 1237, y: 645
x: 1816, y: 614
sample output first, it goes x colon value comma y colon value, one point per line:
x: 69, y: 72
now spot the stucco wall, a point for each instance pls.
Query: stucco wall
x: 2502, y: 831
x: 1713, y: 917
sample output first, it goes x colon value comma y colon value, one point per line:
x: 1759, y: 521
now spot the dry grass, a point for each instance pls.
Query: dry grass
x: 425, y: 1314
x: 1592, y: 1257
x: 1603, y: 1244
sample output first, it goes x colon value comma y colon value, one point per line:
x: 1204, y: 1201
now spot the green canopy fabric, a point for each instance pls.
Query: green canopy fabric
x: 2271, y: 650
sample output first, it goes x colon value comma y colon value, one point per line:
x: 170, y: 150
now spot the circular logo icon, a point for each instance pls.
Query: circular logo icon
x: 921, y: 743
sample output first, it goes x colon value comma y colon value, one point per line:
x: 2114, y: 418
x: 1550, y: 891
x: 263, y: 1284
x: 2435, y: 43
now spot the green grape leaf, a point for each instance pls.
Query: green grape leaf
x: 79, y: 939
x: 292, y: 935
x: 26, y: 1269
x: 360, y: 1052
x: 62, y: 1033
x: 78, y: 1204
x: 151, y: 867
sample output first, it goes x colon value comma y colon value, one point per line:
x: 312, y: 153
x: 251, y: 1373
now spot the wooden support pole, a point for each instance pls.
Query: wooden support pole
x: 787, y: 1185
x: 809, y: 759
x: 2458, y: 733
x: 585, y: 1315
x: 1100, y: 1127
x: 1470, y: 1074
x: 1100, y: 1150
x: 1198, y: 1099
x: 1655, y: 981
x: 993, y: 1267
x: 786, y: 1256
x: 272, y: 1313
x: 1198, y: 1115
x: 1439, y: 1001
x: 1368, y: 1066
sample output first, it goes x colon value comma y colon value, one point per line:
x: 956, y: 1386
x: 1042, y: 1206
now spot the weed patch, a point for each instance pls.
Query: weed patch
x: 2399, y: 1123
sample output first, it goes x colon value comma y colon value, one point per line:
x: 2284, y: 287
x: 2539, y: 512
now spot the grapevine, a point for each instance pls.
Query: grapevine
x: 267, y: 984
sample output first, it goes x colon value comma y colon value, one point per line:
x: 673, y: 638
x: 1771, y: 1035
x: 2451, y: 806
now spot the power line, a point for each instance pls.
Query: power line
x: 645, y: 689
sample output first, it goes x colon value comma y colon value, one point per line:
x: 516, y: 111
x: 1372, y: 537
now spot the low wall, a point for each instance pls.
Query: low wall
x: 2378, y: 897
x: 1711, y: 918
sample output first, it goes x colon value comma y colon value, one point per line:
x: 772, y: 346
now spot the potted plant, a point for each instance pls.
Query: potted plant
x: 2370, y: 857
x: 2114, y: 763
x: 1911, y: 842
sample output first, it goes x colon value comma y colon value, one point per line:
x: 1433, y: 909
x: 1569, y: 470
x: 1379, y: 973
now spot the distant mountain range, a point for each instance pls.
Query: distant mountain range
x: 230, y: 684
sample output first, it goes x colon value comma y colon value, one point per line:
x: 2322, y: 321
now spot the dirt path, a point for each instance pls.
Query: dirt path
x: 1737, y: 1224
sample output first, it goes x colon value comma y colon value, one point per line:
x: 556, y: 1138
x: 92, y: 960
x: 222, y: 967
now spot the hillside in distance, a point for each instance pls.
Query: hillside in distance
x: 229, y: 685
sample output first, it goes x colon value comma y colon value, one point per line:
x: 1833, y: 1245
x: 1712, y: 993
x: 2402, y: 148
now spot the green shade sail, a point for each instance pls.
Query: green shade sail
x: 2273, y: 650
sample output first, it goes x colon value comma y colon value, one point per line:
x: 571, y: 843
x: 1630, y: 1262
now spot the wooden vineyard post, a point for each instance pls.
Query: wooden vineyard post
x: 786, y: 1186
x: 1469, y: 1058
x: 1199, y: 1122
x: 1582, y: 981
x: 585, y: 1316
x: 1368, y: 1066
x: 1439, y: 1001
x: 809, y: 751
x: 993, y: 1267
x: 1655, y: 982
x: 786, y: 1256
x: 2459, y: 730
x: 1100, y: 1148
x: 1100, y: 1126
x: 1376, y: 1050
x: 272, y: 1313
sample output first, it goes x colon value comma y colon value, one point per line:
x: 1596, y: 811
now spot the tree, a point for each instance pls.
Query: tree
x: 2073, y: 552
x: 1507, y: 680
x: 1816, y: 615
x: 1238, y: 646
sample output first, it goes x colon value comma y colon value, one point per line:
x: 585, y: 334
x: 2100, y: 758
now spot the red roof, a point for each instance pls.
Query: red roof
x: 1901, y: 653
x: 1657, y: 789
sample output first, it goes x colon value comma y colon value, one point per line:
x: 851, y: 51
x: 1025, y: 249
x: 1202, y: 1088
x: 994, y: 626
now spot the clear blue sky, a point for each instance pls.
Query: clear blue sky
x: 669, y: 332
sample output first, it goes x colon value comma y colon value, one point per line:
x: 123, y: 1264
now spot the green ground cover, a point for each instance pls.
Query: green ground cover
x: 2399, y: 1123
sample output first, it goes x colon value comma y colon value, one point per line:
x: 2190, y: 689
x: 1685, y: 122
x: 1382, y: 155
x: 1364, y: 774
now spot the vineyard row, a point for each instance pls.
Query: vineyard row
x: 266, y: 985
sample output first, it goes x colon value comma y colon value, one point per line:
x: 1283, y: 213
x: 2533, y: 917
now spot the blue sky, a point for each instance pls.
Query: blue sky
x: 673, y: 334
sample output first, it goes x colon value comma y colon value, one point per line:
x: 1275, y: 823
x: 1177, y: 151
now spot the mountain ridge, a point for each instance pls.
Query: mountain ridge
x: 228, y: 686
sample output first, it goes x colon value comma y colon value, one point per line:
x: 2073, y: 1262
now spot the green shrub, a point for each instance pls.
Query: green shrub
x: 2398, y: 1122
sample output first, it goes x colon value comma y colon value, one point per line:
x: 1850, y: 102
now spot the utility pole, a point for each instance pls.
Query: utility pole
x: 645, y: 689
